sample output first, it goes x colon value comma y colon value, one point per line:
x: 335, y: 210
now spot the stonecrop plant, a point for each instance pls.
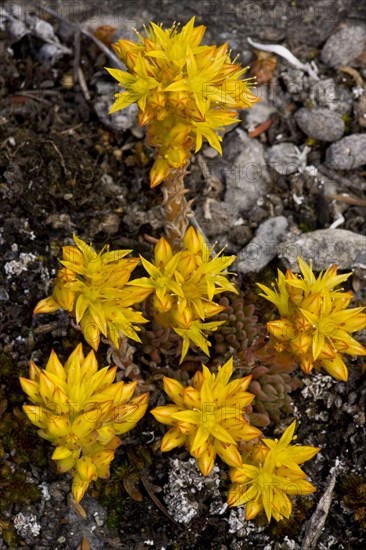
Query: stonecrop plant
x: 270, y: 473
x: 315, y: 323
x: 184, y: 286
x: 185, y: 91
x: 208, y: 417
x: 94, y: 289
x: 81, y: 411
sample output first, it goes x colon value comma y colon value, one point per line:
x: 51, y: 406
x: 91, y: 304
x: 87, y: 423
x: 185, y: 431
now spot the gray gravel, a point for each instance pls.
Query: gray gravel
x: 324, y: 247
x: 320, y: 123
x: 348, y: 153
x: 344, y: 45
x: 263, y: 248
x: 247, y: 178
x: 119, y: 121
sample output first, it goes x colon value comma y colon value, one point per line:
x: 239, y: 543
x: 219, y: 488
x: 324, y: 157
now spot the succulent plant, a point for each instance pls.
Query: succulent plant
x: 354, y: 489
x: 240, y: 327
x: 272, y: 382
x: 184, y: 285
x: 208, y: 417
x: 316, y: 323
x: 160, y: 341
x: 271, y: 370
x: 185, y: 92
x: 269, y: 475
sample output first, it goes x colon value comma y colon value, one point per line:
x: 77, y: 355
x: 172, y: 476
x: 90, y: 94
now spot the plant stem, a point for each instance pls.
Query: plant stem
x: 177, y: 209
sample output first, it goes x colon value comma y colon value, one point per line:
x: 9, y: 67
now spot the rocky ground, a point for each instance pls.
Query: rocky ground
x: 291, y: 181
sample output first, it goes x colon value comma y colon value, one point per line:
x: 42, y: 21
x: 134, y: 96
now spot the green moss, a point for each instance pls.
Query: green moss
x: 15, y: 489
x: 11, y: 538
x: 9, y: 379
x: 306, y: 227
x: 123, y: 484
x: 347, y: 123
x: 19, y: 438
x: 301, y: 509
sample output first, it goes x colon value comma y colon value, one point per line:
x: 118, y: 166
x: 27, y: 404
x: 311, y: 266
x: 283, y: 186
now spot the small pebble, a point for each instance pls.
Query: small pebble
x: 263, y: 247
x: 3, y: 294
x: 324, y: 247
x: 320, y: 123
x: 344, y: 45
x: 119, y: 121
x: 247, y: 177
x: 284, y: 158
x: 348, y: 153
x: 210, y: 152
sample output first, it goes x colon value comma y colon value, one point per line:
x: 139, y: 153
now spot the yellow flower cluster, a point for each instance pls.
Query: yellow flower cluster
x: 315, y: 325
x: 269, y: 473
x: 94, y: 288
x: 185, y: 92
x: 184, y: 285
x: 208, y: 417
x: 81, y: 411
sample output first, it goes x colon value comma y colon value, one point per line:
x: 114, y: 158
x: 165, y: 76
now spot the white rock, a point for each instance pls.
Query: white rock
x: 247, y: 178
x: 324, y: 247
x: 263, y: 247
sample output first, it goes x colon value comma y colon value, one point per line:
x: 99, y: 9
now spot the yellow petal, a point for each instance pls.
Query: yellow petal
x: 229, y: 454
x: 172, y: 439
x: 336, y: 368
x: 65, y: 464
x: 59, y: 426
x: 200, y: 437
x: 79, y: 488
x: 159, y: 172
x: 47, y: 305
x: 164, y: 414
x: 252, y: 509
x: 299, y: 487
x: 220, y: 433
x: 37, y: 415
x: 175, y: 390
x: 31, y: 389
x: 60, y: 453
x: 163, y: 252
x: 207, y: 460
x: 86, y: 469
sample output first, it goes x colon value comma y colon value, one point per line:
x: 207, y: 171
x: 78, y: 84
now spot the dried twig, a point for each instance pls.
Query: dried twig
x: 76, y: 54
x: 59, y: 154
x: 354, y: 201
x: 83, y: 84
x: 317, y: 521
x: 345, y: 182
x: 260, y: 128
x: 214, y: 183
x: 355, y: 75
x: 76, y: 507
x: 150, y: 491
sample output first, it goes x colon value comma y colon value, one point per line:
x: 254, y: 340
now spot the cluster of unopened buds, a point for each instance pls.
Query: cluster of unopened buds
x: 81, y: 411
x: 97, y: 291
x: 186, y: 92
x: 315, y: 323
